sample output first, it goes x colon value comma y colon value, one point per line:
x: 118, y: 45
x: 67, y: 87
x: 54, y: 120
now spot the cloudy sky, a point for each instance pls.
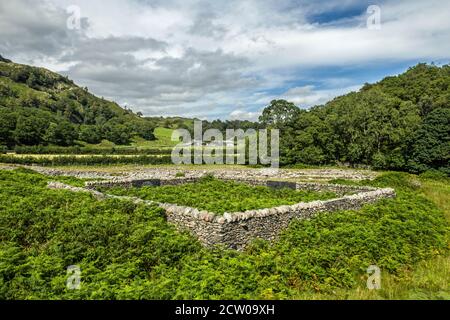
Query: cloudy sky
x: 223, y: 59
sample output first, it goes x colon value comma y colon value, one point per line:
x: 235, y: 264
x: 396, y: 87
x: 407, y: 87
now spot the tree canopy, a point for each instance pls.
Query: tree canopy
x: 399, y: 123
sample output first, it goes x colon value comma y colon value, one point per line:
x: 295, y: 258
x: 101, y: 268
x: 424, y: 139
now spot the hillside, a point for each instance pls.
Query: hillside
x: 40, y: 107
x: 399, y: 123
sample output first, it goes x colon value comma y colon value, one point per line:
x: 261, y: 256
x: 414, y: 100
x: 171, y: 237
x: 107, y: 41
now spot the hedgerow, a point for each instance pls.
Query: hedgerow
x: 85, y: 160
x: 89, y: 150
x: 99, y: 159
x: 128, y: 251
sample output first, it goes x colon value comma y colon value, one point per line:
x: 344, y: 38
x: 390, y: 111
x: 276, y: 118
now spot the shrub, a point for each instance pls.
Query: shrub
x: 434, y: 175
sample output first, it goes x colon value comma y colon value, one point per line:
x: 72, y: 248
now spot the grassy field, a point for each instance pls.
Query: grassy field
x: 162, y: 135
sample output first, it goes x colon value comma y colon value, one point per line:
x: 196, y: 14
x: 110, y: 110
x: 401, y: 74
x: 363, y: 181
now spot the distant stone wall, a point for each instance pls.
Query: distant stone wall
x: 128, y: 183
x: 235, y: 230
x: 339, y: 189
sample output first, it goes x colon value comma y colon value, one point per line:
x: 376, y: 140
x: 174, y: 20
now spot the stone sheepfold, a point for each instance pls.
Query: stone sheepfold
x: 235, y: 230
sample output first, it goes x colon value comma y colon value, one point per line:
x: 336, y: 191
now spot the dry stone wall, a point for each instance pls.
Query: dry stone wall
x: 235, y: 230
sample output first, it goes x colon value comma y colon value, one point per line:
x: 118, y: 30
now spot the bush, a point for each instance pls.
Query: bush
x: 434, y: 175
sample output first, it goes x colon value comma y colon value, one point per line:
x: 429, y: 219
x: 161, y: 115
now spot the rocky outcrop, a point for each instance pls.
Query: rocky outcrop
x: 4, y: 60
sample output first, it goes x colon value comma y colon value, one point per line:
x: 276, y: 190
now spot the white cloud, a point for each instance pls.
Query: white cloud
x: 203, y: 58
x: 244, y: 115
x: 308, y: 96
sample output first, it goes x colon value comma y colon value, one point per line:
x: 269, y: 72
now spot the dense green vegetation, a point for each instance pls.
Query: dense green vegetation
x: 128, y: 251
x: 220, y: 196
x: 138, y: 145
x: 60, y: 160
x: 399, y: 123
x: 89, y: 150
x: 39, y: 107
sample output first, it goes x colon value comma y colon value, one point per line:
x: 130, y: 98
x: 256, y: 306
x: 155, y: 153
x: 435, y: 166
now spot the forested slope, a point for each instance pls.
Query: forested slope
x: 40, y: 107
x: 400, y: 123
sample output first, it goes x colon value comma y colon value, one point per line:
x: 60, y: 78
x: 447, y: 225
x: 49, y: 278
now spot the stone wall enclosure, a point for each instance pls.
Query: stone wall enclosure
x: 235, y: 230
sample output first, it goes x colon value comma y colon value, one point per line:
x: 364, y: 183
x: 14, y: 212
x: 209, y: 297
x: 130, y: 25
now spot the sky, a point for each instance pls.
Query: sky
x: 224, y: 59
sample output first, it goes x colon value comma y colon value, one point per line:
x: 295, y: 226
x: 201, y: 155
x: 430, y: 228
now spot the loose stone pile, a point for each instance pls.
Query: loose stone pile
x: 139, y: 173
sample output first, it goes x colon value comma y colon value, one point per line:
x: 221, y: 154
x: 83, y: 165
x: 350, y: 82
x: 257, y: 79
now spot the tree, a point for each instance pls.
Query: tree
x: 90, y: 134
x: 431, y: 143
x: 117, y: 133
x: 7, y: 125
x: 30, y: 130
x: 20, y: 74
x: 62, y: 134
x: 32, y: 81
x: 5, y: 90
x: 144, y: 129
x: 72, y: 113
x: 30, y: 100
x: 279, y: 113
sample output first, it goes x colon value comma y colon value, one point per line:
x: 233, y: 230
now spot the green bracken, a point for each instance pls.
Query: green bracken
x: 220, y: 196
x: 128, y: 251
